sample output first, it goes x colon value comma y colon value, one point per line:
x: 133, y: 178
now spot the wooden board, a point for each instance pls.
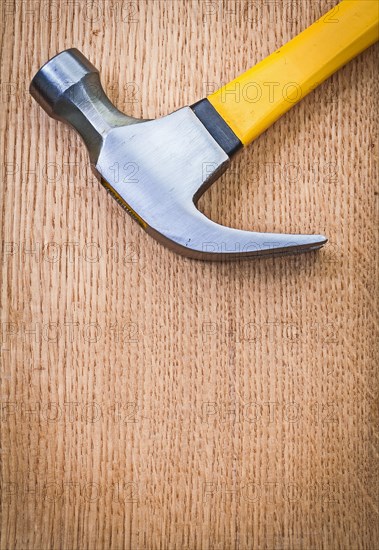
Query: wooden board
x: 153, y: 402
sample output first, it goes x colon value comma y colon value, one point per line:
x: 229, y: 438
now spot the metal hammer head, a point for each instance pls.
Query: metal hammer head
x: 156, y: 169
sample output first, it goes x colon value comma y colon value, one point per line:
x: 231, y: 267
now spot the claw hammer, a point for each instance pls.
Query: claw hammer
x: 165, y: 165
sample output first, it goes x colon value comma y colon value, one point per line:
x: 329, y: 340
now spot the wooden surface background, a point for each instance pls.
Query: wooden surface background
x: 153, y: 402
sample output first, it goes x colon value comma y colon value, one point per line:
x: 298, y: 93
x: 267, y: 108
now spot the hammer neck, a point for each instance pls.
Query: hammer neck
x: 89, y: 111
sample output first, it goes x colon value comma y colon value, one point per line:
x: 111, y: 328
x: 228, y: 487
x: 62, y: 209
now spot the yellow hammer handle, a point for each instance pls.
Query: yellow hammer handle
x: 253, y: 101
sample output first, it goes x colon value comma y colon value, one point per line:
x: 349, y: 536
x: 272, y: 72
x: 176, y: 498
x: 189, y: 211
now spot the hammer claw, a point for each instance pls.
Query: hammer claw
x: 199, y: 237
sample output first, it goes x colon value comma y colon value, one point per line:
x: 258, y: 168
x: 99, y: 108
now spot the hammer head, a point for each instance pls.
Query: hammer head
x: 156, y: 169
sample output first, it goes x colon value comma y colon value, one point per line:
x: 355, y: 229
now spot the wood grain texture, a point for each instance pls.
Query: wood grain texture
x: 153, y: 402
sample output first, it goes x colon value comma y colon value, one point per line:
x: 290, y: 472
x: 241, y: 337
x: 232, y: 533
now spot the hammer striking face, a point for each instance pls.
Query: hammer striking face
x: 158, y: 169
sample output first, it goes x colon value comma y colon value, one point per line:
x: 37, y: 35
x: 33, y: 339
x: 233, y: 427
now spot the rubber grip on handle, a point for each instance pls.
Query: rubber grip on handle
x: 256, y: 99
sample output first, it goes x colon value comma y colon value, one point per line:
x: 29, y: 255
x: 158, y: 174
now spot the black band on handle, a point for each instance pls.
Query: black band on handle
x: 217, y: 127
